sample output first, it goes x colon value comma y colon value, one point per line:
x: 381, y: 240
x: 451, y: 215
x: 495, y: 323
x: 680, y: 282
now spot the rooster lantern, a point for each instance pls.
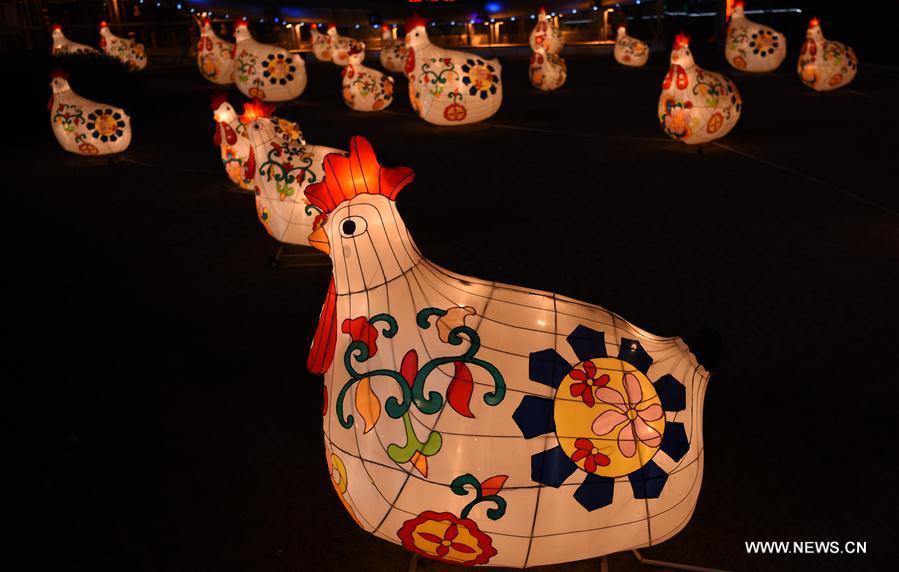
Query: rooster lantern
x: 85, y: 127
x: 752, y: 47
x: 479, y: 423
x: 343, y: 46
x: 447, y: 87
x: 266, y: 72
x: 823, y: 64
x: 215, y: 56
x: 321, y: 45
x: 62, y: 46
x: 364, y: 88
x: 630, y: 51
x: 128, y: 51
x: 545, y: 34
x: 696, y: 106
x: 547, y: 71
x: 393, y: 52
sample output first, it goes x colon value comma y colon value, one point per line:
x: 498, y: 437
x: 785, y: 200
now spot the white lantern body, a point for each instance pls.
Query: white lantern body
x: 753, y: 47
x: 281, y: 172
x: 696, y: 105
x: 547, y: 71
x: 85, y: 127
x: 321, y: 45
x: 475, y: 422
x: 393, y: 52
x: 215, y: 56
x: 342, y: 46
x: 823, y: 64
x: 266, y: 72
x: 447, y: 87
x: 128, y: 51
x: 364, y: 88
x: 630, y: 51
x: 546, y: 34
x: 62, y: 46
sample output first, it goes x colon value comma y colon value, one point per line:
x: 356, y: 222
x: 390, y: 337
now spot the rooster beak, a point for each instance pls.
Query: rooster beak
x: 319, y: 238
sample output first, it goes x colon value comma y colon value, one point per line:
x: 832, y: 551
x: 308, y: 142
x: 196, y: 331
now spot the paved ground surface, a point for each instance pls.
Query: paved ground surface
x: 169, y: 412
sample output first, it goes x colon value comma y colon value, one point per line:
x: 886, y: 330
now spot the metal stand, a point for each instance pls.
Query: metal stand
x: 294, y: 256
x: 109, y: 160
x: 671, y: 565
x: 413, y: 564
x: 238, y: 190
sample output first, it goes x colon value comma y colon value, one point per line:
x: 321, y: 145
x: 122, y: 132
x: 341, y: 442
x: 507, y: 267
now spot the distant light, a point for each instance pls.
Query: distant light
x: 512, y: 18
x: 471, y: 21
x: 289, y: 26
x: 375, y: 26
x: 191, y: 10
x: 492, y: 20
x: 261, y: 20
x: 158, y: 4
x: 277, y: 19
x: 357, y: 26
x: 493, y: 7
x: 178, y: 6
x: 227, y: 16
x: 595, y: 8
x: 575, y: 11
x: 452, y: 23
x: 533, y: 16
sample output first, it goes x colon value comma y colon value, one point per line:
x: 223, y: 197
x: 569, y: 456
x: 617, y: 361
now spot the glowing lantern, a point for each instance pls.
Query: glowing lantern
x: 128, y: 51
x: 447, y: 87
x: 321, y: 45
x: 547, y: 71
x: 546, y: 34
x: 266, y: 72
x: 479, y: 423
x: 215, y: 56
x: 281, y: 172
x: 824, y: 64
x: 630, y: 51
x: 85, y: 127
x: 753, y: 47
x: 365, y: 89
x: 696, y: 105
x: 393, y: 52
x: 341, y: 46
x: 62, y: 46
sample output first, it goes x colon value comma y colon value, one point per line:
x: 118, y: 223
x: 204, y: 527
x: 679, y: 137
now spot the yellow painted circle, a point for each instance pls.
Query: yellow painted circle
x: 338, y: 475
x: 575, y: 419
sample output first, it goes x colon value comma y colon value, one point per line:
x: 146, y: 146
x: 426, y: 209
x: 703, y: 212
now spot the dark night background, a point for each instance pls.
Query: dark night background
x: 161, y: 407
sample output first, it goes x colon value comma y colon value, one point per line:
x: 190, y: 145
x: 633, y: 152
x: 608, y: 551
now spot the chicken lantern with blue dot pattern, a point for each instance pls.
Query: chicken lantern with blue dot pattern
x: 824, y: 64
x: 86, y: 127
x: 364, y: 88
x: 479, y: 423
x: 266, y: 72
x: 753, y: 47
x: 393, y: 51
x: 129, y: 52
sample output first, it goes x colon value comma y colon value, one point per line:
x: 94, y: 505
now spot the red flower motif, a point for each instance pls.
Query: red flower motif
x: 587, y: 380
x: 591, y: 455
x: 361, y: 331
x: 288, y: 166
x: 445, y: 537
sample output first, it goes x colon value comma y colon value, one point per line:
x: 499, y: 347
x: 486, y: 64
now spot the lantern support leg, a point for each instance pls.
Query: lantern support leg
x: 238, y: 190
x: 672, y: 565
x: 413, y: 563
x: 604, y: 564
x: 295, y: 256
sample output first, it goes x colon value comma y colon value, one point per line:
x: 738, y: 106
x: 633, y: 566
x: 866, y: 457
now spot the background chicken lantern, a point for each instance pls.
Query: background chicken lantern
x: 753, y: 47
x: 696, y: 105
x: 823, y: 64
x: 447, y: 87
x: 630, y: 51
x: 342, y: 46
x: 86, y: 127
x: 266, y: 72
x: 547, y: 71
x: 128, y: 51
x: 62, y: 46
x: 393, y: 52
x: 215, y: 56
x: 546, y: 34
x: 364, y: 88
x: 321, y: 45
x: 479, y: 423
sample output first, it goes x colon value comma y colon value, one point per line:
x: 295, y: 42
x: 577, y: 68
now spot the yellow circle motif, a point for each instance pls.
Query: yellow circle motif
x: 609, y: 419
x: 338, y: 475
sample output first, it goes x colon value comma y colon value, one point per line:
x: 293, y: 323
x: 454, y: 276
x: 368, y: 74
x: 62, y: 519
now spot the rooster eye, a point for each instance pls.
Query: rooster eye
x: 352, y: 226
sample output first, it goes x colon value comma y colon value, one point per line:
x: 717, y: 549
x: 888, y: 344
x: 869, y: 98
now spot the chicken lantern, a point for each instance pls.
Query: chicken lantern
x: 823, y: 64
x: 393, y: 52
x: 341, y: 46
x: 215, y: 56
x: 696, y: 105
x: 753, y: 47
x: 630, y: 51
x: 62, y: 46
x: 364, y: 88
x: 447, y: 87
x: 546, y: 34
x: 128, y: 51
x: 321, y: 45
x: 86, y: 127
x: 266, y: 72
x: 480, y: 423
x: 547, y: 71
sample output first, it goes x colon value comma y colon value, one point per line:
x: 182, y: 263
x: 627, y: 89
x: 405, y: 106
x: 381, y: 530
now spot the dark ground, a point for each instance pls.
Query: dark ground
x: 168, y: 409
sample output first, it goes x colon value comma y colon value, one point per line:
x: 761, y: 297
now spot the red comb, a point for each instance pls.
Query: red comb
x: 207, y: 22
x: 58, y: 73
x: 814, y: 23
x: 103, y: 24
x: 255, y: 109
x: 681, y: 41
x: 543, y: 10
x: 56, y: 27
x: 241, y: 23
x: 739, y: 4
x: 355, y: 49
x: 218, y: 98
x: 332, y: 26
x: 414, y: 22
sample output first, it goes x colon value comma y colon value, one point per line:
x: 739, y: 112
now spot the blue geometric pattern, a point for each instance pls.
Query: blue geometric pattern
x: 632, y: 352
x: 595, y: 492
x: 548, y: 367
x: 648, y: 481
x: 674, y: 442
x: 672, y: 393
x: 587, y: 343
x: 534, y: 416
x: 551, y: 467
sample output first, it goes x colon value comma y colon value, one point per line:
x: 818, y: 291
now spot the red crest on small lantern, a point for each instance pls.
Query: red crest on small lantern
x: 414, y: 22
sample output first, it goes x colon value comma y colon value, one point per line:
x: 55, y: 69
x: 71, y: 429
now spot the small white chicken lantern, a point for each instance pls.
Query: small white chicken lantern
x: 824, y: 64
x: 630, y: 51
x: 62, y: 46
x: 393, y: 52
x: 266, y: 72
x: 547, y: 71
x: 364, y: 88
x: 341, y: 46
x: 753, y: 47
x: 546, y: 34
x: 479, y: 423
x: 215, y: 56
x: 128, y: 51
x: 281, y: 171
x: 696, y: 106
x: 86, y: 127
x: 447, y: 87
x: 321, y: 45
